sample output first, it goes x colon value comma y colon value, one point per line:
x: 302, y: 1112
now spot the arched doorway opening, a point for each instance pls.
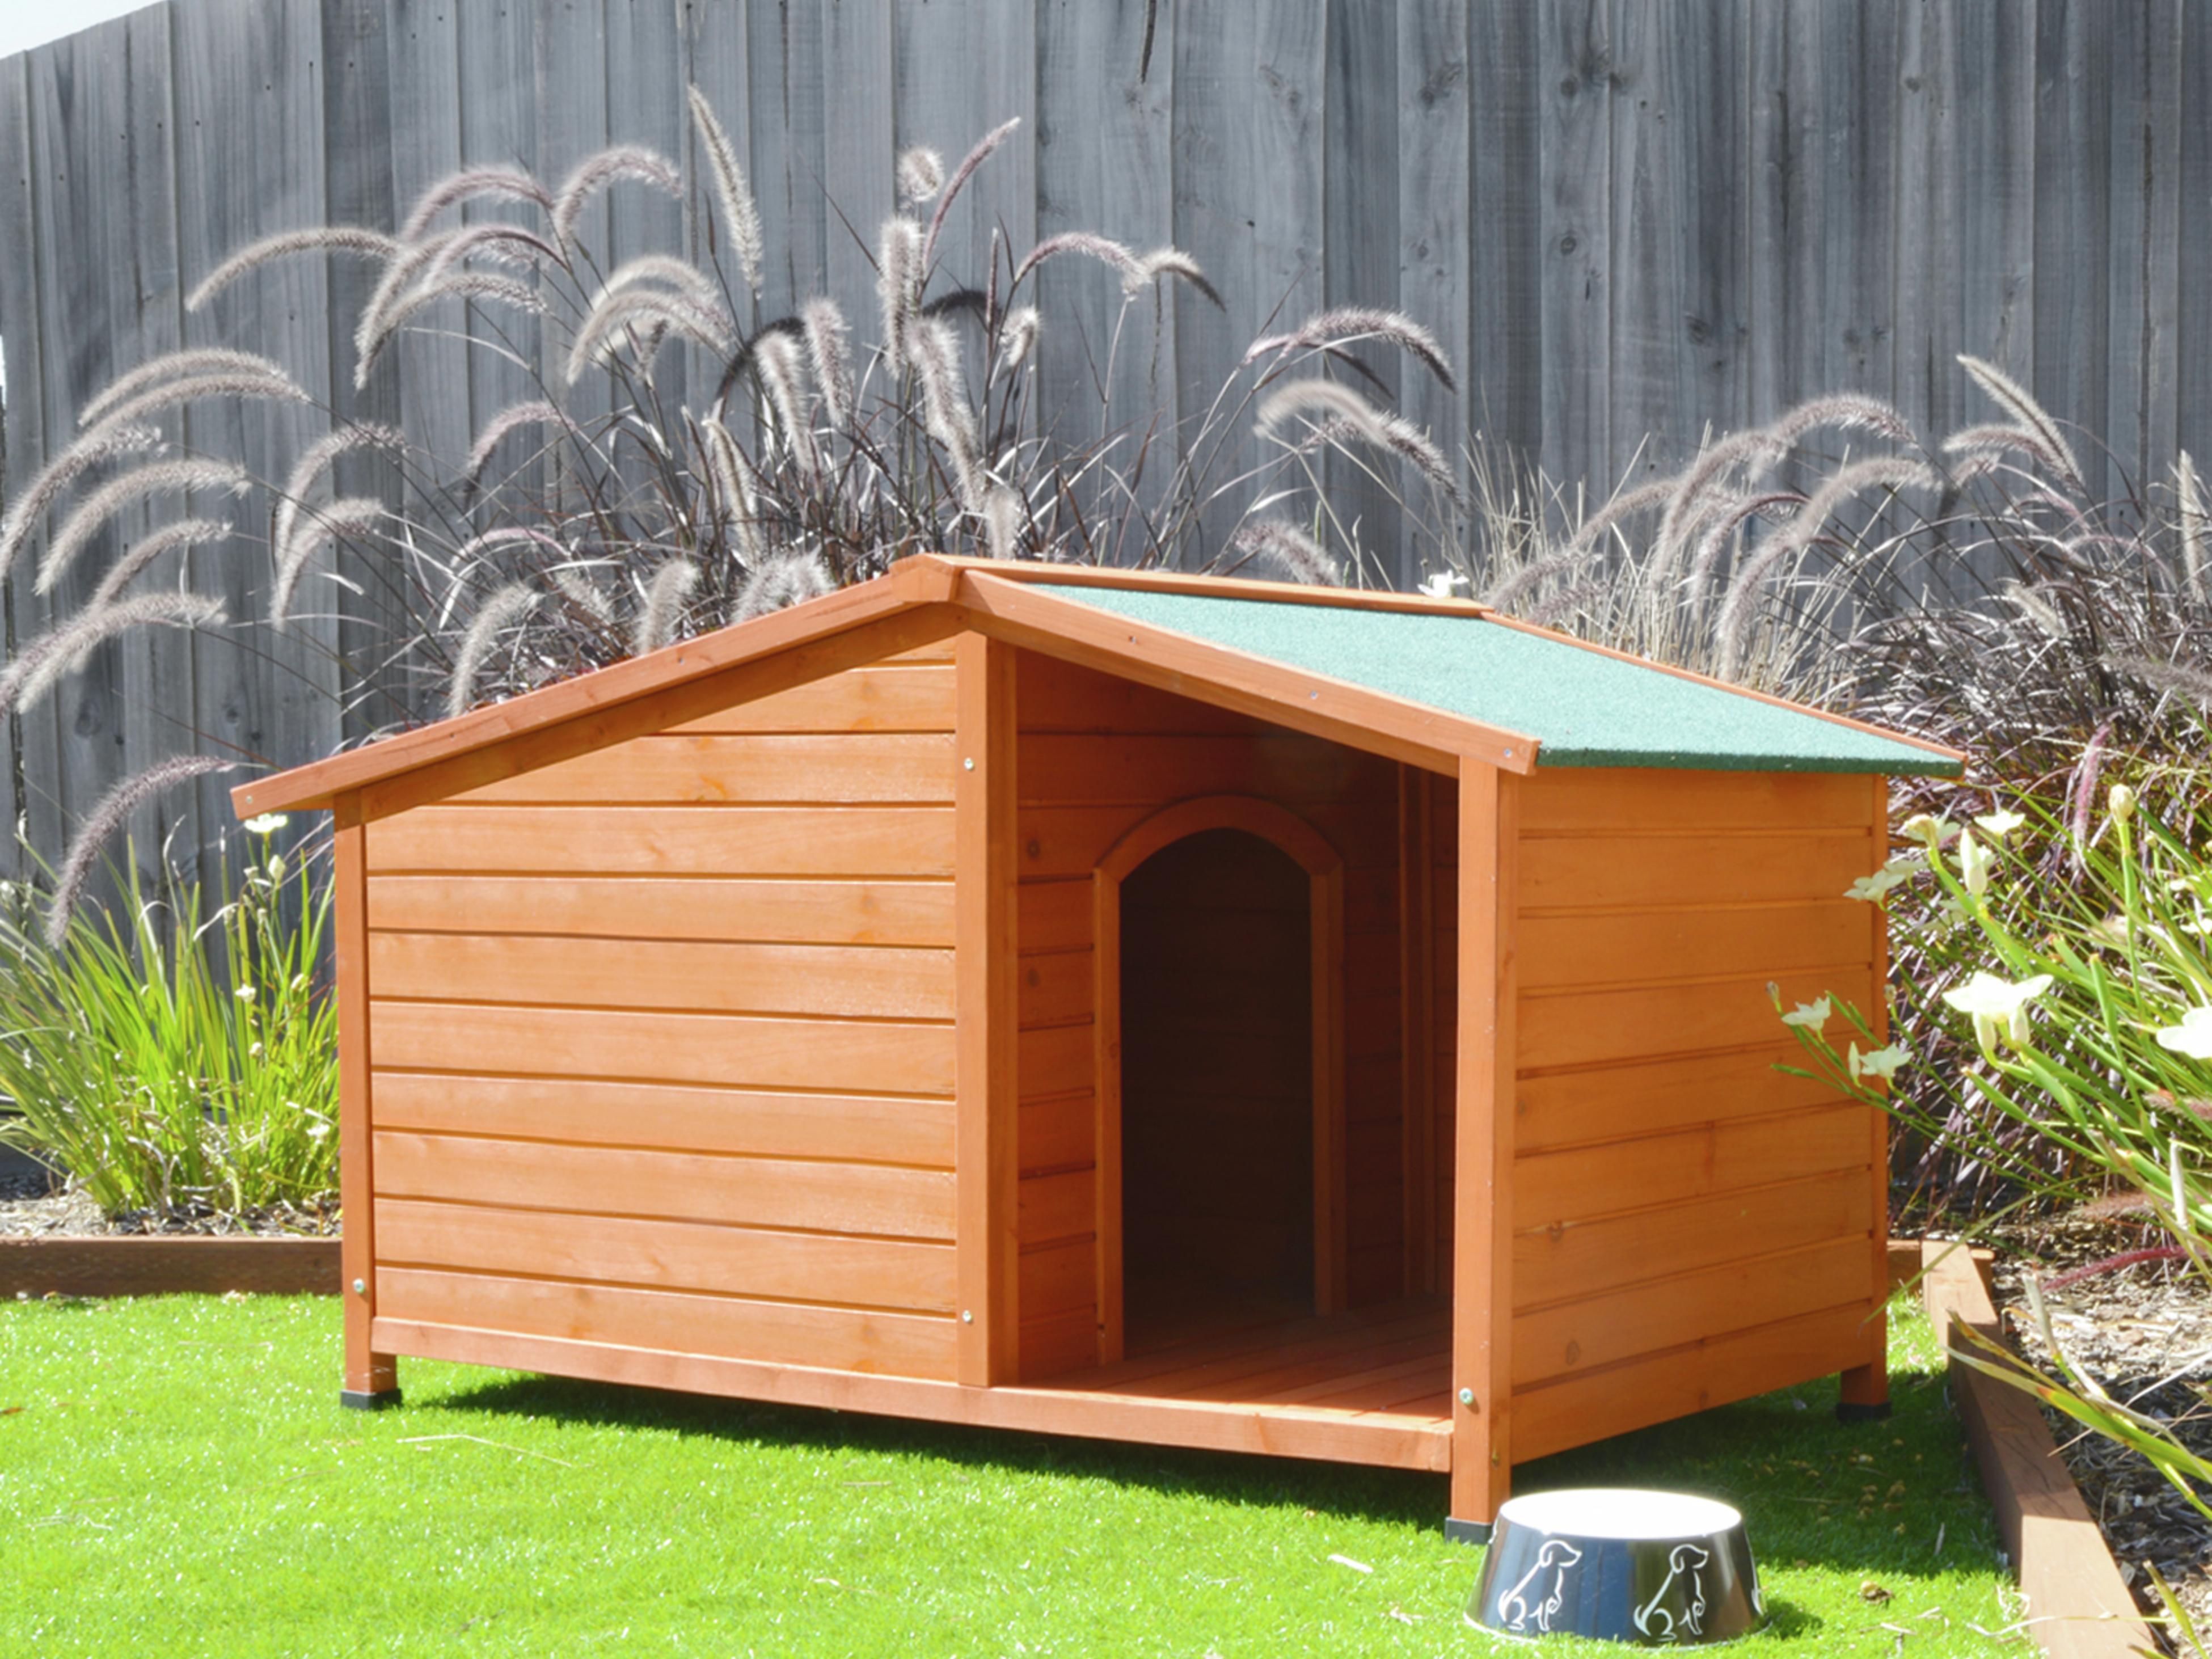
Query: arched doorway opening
x: 1219, y: 980
x: 1217, y: 1086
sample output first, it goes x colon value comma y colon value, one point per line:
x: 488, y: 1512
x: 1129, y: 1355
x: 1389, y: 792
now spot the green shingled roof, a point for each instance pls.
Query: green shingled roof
x: 1585, y: 708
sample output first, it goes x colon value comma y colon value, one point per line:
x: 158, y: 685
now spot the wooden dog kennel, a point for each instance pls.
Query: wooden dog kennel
x: 1205, y: 1013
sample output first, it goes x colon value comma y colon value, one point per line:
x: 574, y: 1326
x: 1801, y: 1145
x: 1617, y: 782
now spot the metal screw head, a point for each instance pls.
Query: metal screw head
x: 967, y: 1317
x: 360, y: 1287
x: 968, y: 763
x: 1466, y: 1396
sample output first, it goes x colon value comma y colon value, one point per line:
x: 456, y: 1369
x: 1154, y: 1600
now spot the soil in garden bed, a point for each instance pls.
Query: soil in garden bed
x: 35, y: 1205
x: 2144, y: 1334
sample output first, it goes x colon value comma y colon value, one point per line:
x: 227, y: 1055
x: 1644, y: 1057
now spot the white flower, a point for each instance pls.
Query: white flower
x: 2122, y: 801
x: 1871, y: 888
x: 1880, y: 1063
x: 1974, y: 862
x: 1440, y: 586
x: 1989, y: 1000
x: 267, y: 824
x: 2193, y: 1036
x: 2000, y: 824
x: 244, y: 993
x: 1813, y: 1016
x: 1930, y: 832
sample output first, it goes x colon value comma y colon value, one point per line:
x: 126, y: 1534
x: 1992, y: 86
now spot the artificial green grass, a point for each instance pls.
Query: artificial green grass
x: 176, y: 1478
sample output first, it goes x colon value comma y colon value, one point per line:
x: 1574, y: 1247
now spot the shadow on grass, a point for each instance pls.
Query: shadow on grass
x: 1859, y: 1499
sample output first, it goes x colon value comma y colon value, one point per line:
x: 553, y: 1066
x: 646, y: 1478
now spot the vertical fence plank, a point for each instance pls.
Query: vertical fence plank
x: 1930, y: 267
x: 1501, y: 240
x: 959, y: 71
x: 2193, y: 279
x: 2072, y: 220
x: 1678, y: 131
x: 571, y: 113
x: 32, y: 735
x: 857, y: 144
x: 2142, y: 243
x: 646, y: 105
x: 1104, y: 164
x: 1361, y: 259
x: 1249, y: 173
x: 249, y: 112
x: 1574, y: 75
x: 787, y: 119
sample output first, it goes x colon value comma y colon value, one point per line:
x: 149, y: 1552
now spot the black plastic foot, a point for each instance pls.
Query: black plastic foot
x: 375, y: 1401
x: 1457, y: 1531
x: 1848, y: 1412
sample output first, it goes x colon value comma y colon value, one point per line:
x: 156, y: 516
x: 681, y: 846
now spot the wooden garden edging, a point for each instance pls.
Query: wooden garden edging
x: 157, y: 1265
x: 2078, y: 1608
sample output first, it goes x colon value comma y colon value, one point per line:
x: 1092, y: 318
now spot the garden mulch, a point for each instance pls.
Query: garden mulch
x: 32, y: 1208
x: 2144, y: 1334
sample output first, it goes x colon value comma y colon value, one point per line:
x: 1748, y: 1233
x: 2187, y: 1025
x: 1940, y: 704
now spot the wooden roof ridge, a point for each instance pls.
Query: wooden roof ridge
x: 1003, y: 600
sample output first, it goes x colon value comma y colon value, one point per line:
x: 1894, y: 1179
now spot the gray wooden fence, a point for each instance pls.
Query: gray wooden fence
x: 1629, y: 221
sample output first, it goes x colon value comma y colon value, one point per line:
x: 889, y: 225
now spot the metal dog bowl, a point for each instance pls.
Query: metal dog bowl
x: 1657, y: 1568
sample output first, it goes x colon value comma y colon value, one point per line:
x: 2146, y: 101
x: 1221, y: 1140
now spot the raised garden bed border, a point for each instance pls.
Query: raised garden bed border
x: 164, y: 1265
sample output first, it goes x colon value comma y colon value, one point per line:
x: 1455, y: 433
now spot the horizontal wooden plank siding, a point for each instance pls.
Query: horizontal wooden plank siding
x: 662, y: 1033
x: 781, y: 911
x: 721, y: 1326
x: 1692, y: 1224
x: 677, y: 1255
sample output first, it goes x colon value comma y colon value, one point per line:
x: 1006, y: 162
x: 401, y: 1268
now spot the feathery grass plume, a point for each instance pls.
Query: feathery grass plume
x: 2010, y: 396
x: 510, y: 183
x: 666, y: 596
x: 1017, y: 338
x: 535, y: 411
x: 184, y: 532
x: 634, y: 162
x: 1720, y: 530
x: 669, y: 272
x: 1320, y: 401
x: 740, y: 215
x: 786, y: 579
x: 513, y: 245
x: 2037, y: 609
x: 1504, y: 593
x: 475, y: 285
x: 1566, y: 603
x: 2194, y: 683
x: 777, y: 372
x: 104, y: 443
x: 329, y: 239
x: 399, y: 273
x: 351, y: 518
x: 40, y: 663
x: 1694, y: 489
x: 1003, y: 513
x: 648, y: 314
x: 314, y: 461
x: 826, y: 354
x: 2196, y: 523
x: 1127, y: 265
x: 176, y: 366
x: 1989, y: 444
x: 277, y: 388
x: 945, y: 412
x: 584, y: 594
x: 920, y: 175
x: 1286, y: 548
x: 898, y: 287
x: 1887, y: 472
x: 155, y: 478
x: 734, y: 485
x: 511, y: 605
x: 1623, y: 506
x: 2082, y: 791
x: 1347, y: 325
x: 115, y: 808
x: 1842, y: 412
x: 960, y: 174
x: 1170, y: 261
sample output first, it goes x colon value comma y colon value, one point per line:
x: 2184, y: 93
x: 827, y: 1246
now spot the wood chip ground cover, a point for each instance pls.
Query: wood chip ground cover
x: 175, y: 1478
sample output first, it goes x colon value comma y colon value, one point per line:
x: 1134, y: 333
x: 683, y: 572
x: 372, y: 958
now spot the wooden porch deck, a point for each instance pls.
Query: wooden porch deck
x: 1370, y: 1385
